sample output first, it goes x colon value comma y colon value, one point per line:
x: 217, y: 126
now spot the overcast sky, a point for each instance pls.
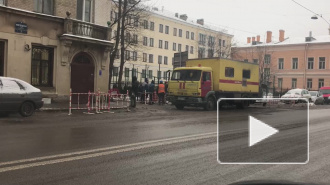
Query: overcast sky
x: 244, y: 18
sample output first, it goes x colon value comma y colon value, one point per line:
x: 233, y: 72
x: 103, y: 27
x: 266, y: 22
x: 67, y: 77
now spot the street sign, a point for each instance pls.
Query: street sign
x: 21, y: 27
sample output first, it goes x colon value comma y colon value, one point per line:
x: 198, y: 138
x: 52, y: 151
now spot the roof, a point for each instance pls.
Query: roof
x: 293, y: 41
x: 171, y: 15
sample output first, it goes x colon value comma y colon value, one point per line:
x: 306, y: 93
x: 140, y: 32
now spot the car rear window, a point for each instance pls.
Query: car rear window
x: 10, y: 86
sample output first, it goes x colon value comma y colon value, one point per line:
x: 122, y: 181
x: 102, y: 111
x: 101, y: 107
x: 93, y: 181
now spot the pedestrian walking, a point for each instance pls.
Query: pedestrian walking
x: 134, y: 91
x: 151, y: 91
x: 145, y: 87
x: 161, y: 93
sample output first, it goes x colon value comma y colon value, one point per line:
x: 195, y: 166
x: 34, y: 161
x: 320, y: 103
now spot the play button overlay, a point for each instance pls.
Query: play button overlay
x: 259, y: 131
x: 275, y: 133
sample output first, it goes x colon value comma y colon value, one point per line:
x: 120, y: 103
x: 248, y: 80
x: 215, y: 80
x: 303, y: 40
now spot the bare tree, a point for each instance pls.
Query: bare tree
x: 130, y: 13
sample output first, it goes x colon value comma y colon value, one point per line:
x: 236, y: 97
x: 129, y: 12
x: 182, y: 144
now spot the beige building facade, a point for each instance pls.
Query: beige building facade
x: 55, y: 45
x: 160, y: 34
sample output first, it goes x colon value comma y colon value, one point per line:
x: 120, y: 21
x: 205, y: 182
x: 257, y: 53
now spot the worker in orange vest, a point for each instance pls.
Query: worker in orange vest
x: 161, y: 93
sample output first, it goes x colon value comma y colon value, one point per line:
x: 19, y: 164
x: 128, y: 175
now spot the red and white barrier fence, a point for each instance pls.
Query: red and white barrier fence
x: 99, y: 102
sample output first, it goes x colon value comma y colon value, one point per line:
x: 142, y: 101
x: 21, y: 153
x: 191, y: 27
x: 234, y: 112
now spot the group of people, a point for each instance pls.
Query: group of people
x: 146, y: 90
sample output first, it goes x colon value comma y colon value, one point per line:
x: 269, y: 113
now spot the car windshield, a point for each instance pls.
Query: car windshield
x: 187, y: 75
x: 325, y: 91
x: 293, y: 92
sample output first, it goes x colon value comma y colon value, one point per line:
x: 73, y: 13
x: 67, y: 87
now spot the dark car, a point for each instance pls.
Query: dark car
x: 18, y: 96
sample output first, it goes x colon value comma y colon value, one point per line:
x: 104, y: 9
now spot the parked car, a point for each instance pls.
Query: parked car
x: 326, y: 94
x: 297, y: 93
x: 317, y: 97
x: 18, y: 96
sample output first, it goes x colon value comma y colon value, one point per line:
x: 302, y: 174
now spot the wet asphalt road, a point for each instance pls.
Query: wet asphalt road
x: 150, y: 145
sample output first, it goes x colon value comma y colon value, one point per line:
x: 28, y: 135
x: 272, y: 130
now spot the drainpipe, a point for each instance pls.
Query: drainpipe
x: 306, y: 49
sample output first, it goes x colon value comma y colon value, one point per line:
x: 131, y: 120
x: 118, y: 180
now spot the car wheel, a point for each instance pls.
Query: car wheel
x: 27, y: 109
x: 209, y: 104
x: 179, y: 106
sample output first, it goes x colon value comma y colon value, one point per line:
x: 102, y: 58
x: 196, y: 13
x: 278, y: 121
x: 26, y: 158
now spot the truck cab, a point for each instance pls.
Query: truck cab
x: 190, y: 86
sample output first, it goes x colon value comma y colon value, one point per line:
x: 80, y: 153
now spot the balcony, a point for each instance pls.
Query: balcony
x: 86, y: 30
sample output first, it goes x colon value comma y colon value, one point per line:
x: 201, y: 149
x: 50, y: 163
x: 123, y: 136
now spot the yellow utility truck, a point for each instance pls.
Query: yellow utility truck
x: 203, y: 81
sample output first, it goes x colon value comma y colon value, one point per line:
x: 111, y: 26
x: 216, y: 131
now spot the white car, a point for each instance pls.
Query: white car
x: 297, y: 93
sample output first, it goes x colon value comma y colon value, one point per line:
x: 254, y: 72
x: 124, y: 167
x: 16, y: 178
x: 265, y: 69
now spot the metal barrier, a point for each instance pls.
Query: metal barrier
x: 99, y: 102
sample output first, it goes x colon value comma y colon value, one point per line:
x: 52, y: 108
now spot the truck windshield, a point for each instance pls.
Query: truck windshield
x: 325, y: 91
x: 187, y: 75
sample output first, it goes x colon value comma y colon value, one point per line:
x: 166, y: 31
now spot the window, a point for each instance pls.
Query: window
x: 192, y: 49
x: 322, y: 63
x: 309, y: 83
x: 187, y: 34
x: 211, y: 41
x: 295, y: 63
x: 160, y: 58
x: 160, y: 44
x: 165, y: 60
x: 174, y: 46
x: 161, y: 28
x: 84, y: 10
x: 115, y: 71
x: 42, y: 66
x: 280, y: 82
x: 201, y: 52
x: 229, y: 72
x: 128, y: 37
x: 167, y: 29
x: 128, y: 55
x: 136, y: 22
x: 220, y: 43
x: 152, y: 26
x: 280, y: 63
x: 150, y: 74
x: 117, y: 54
x: 255, y: 61
x: 294, y: 83
x: 166, y: 44
x: 174, y: 31
x: 145, y: 57
x: 179, y: 47
x: 135, y: 72
x: 165, y: 75
x: 151, y: 58
x: 246, y: 60
x: 267, y: 59
x: 151, y: 43
x: 321, y: 83
x: 180, y: 32
x: 267, y: 72
x: 135, y: 39
x: 246, y: 74
x: 223, y: 43
x: 145, y: 41
x: 210, y: 53
x: 159, y: 74
x: 134, y: 55
x: 192, y: 35
x: 143, y: 73
x: 145, y: 24
x: 206, y: 76
x: 126, y: 72
x: 310, y: 63
x: 42, y: 6
x: 187, y: 48
x: 202, y: 39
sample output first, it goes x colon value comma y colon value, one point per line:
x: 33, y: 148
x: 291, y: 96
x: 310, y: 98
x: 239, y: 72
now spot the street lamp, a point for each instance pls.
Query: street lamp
x: 315, y: 17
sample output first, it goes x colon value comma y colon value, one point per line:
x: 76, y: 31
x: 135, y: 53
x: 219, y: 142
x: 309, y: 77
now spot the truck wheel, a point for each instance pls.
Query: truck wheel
x: 27, y: 109
x: 179, y: 106
x: 209, y: 104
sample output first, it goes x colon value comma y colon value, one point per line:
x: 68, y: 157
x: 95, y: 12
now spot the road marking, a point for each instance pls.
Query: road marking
x: 34, y: 162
